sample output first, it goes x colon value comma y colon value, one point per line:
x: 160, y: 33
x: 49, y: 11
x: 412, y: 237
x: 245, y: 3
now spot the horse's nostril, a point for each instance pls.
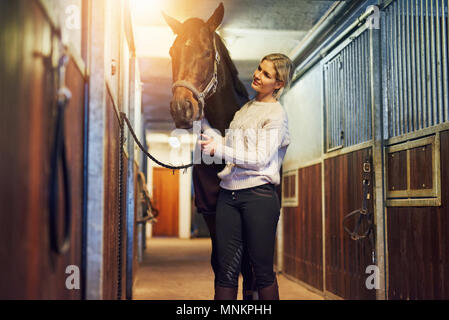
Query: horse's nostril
x: 179, y: 107
x: 189, y: 109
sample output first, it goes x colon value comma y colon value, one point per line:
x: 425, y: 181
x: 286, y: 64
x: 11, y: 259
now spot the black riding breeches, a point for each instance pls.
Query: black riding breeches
x: 246, y: 219
x: 246, y: 271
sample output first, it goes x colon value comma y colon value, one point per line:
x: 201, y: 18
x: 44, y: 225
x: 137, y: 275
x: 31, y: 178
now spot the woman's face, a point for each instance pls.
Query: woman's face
x: 264, y: 78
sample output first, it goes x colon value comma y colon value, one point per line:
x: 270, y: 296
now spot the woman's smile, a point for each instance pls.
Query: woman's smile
x: 256, y: 83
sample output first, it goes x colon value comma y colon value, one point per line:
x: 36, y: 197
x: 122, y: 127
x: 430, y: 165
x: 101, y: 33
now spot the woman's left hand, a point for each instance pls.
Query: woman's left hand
x: 207, y: 144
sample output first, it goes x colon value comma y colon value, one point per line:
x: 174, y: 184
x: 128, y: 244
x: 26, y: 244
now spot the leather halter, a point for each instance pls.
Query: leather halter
x: 210, y: 89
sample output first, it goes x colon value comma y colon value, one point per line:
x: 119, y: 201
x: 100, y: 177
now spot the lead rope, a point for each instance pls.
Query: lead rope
x: 123, y: 120
x: 120, y: 213
x: 126, y: 120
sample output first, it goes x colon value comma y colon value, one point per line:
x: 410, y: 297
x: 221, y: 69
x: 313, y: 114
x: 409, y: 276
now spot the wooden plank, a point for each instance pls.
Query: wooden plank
x: 346, y: 259
x: 136, y: 230
x: 397, y: 170
x: 418, y: 247
x: 111, y: 222
x: 421, y: 168
x: 29, y: 269
x: 302, y: 230
x: 289, y: 228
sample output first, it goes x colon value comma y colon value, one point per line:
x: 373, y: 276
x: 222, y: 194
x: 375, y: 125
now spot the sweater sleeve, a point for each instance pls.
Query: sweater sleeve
x: 211, y: 132
x: 260, y: 146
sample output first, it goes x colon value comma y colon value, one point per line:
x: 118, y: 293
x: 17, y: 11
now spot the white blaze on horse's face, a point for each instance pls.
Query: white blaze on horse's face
x: 192, y: 57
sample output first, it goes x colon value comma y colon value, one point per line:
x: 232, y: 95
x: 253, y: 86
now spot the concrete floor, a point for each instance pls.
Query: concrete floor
x: 175, y: 269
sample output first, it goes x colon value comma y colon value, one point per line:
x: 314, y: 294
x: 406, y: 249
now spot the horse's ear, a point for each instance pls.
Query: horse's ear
x: 174, y: 24
x: 216, y: 18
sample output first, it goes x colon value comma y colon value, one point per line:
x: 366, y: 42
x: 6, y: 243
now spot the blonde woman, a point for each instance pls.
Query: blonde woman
x: 248, y: 207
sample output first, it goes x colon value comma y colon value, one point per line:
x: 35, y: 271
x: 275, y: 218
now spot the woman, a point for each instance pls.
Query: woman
x: 248, y: 206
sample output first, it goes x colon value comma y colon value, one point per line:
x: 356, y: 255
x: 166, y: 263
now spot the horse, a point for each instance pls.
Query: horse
x: 206, y: 84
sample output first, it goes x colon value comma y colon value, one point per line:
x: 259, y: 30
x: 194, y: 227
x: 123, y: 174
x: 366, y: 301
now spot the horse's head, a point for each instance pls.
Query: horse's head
x: 194, y: 64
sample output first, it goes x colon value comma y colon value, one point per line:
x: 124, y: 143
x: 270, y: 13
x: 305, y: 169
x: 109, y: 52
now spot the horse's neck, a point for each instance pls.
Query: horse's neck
x: 222, y: 106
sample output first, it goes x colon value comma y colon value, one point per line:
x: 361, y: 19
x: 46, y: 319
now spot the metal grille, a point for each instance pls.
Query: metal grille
x: 416, y: 39
x: 348, y: 95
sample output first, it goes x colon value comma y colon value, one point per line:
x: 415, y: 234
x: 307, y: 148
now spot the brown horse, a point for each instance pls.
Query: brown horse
x: 206, y: 84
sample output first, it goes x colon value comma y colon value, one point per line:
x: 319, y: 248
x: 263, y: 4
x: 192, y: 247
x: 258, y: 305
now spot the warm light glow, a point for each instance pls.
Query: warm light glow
x: 153, y: 36
x: 174, y: 142
x: 154, y: 41
x: 149, y: 12
x: 147, y: 6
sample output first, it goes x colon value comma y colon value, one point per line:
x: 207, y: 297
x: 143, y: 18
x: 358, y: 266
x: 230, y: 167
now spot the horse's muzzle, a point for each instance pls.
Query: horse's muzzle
x: 184, y: 113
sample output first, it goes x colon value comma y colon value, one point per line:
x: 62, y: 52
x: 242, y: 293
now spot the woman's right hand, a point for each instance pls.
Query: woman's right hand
x: 208, y: 144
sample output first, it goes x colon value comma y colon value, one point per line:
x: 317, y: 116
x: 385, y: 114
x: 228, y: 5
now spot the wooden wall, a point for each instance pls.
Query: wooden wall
x: 111, y: 219
x: 136, y: 233
x: 29, y: 269
x: 346, y: 259
x: 418, y: 244
x: 302, y: 229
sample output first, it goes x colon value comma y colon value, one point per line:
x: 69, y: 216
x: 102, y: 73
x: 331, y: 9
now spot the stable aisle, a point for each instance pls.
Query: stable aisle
x: 176, y: 269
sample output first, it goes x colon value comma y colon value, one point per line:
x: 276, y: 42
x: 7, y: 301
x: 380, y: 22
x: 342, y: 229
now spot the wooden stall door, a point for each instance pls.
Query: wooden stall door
x: 166, y: 200
x: 418, y: 241
x: 346, y: 259
x: 30, y: 268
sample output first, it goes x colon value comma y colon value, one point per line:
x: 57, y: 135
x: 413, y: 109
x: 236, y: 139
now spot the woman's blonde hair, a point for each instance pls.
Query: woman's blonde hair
x: 284, y: 69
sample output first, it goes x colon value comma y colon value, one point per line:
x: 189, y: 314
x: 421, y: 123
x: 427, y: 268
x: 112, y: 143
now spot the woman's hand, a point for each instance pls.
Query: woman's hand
x: 208, y: 144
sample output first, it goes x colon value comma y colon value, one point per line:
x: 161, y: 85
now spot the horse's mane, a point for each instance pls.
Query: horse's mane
x: 224, y: 56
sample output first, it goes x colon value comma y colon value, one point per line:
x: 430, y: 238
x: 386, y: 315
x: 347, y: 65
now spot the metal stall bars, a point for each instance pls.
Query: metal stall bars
x: 415, y: 89
x: 415, y: 98
x: 416, y: 35
x: 352, y: 122
x: 347, y: 93
x: 350, y: 98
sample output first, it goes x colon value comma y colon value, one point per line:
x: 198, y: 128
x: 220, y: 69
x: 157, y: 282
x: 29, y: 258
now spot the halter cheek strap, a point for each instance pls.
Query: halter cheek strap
x: 210, y: 89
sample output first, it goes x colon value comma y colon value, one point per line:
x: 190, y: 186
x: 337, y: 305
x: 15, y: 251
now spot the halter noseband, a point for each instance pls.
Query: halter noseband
x: 210, y: 89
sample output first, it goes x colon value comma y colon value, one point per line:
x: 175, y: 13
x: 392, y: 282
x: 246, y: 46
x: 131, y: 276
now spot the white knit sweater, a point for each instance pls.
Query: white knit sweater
x: 254, y: 146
